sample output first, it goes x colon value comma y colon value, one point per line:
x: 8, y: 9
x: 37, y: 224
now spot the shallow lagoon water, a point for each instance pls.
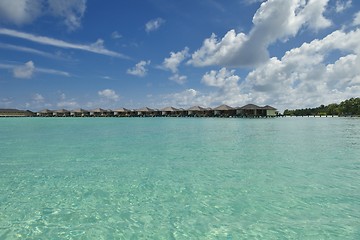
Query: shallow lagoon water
x: 179, y: 178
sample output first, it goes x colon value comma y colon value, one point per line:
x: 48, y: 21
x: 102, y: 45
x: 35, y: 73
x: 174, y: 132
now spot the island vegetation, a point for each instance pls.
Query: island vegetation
x: 349, y: 107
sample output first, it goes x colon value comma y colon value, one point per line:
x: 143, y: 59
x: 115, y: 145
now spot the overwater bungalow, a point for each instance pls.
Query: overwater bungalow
x: 146, y: 112
x: 98, y: 112
x: 224, y: 111
x: 79, y: 113
x: 171, y: 112
x: 197, y: 111
x: 45, y: 113
x: 61, y: 113
x: 252, y: 110
x: 270, y: 111
x: 122, y: 112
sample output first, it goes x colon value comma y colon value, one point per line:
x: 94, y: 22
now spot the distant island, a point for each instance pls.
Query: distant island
x: 349, y: 107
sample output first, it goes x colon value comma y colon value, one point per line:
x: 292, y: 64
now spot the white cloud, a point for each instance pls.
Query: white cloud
x: 227, y: 87
x: 304, y: 78
x: 175, y: 59
x: 172, y: 63
x: 25, y: 71
x: 97, y: 47
x: 274, y: 20
x: 116, y: 35
x: 356, y: 21
x: 178, y: 78
x: 221, y: 78
x: 20, y: 12
x: 71, y: 11
x: 109, y: 94
x: 28, y: 50
x: 38, y: 98
x: 53, y: 72
x: 67, y: 104
x: 342, y: 5
x: 186, y: 98
x: 154, y: 24
x: 139, y: 69
x: 253, y: 1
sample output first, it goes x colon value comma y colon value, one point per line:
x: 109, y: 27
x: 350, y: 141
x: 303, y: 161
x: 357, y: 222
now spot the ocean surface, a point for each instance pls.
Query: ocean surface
x: 179, y: 178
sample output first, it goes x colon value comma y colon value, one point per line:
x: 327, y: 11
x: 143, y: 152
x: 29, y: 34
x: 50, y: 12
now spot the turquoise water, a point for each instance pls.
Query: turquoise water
x: 179, y: 178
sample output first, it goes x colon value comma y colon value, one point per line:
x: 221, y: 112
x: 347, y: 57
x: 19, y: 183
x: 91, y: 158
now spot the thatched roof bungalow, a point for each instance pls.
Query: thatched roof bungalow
x: 61, y: 113
x: 252, y: 110
x: 98, y: 112
x: 197, y: 111
x: 224, y: 111
x: 122, y: 112
x: 270, y: 111
x: 146, y: 112
x: 45, y: 113
x: 79, y: 113
x: 171, y: 112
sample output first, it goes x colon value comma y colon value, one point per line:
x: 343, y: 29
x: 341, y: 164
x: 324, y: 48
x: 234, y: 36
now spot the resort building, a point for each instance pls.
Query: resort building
x: 171, y: 112
x: 146, y: 112
x: 61, y: 113
x: 122, y: 112
x: 252, y: 110
x: 197, y: 111
x: 247, y: 111
x: 45, y: 113
x: 79, y: 113
x: 98, y: 112
x: 224, y: 111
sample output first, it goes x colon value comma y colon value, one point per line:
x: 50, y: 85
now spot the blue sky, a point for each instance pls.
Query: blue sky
x: 110, y: 54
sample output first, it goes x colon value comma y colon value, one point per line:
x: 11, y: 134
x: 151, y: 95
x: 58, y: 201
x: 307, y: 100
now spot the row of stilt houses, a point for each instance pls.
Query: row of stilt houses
x: 249, y: 110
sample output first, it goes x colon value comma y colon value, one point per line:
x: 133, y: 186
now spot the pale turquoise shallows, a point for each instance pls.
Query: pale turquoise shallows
x: 179, y: 178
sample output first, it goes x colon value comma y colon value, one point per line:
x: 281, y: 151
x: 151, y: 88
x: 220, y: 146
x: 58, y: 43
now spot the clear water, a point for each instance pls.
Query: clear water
x: 170, y: 178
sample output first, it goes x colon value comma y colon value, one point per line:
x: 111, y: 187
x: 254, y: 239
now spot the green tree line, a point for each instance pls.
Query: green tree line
x: 349, y: 107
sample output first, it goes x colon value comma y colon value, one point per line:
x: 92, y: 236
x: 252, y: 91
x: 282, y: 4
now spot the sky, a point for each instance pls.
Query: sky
x: 133, y: 53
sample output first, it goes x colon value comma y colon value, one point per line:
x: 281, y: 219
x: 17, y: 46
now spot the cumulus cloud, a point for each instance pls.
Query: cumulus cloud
x: 226, y: 90
x: 180, y: 79
x: 186, y: 98
x: 67, y: 104
x: 274, y: 20
x: 356, y: 21
x: 108, y: 94
x: 227, y: 86
x: 139, y: 69
x: 71, y: 11
x: 154, y: 24
x: 38, y: 98
x: 303, y: 77
x: 342, y: 5
x: 21, y: 12
x: 24, y: 71
x: 171, y: 63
